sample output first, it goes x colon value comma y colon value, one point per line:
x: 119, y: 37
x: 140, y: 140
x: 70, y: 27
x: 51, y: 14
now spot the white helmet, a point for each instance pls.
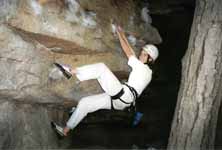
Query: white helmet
x: 152, y: 51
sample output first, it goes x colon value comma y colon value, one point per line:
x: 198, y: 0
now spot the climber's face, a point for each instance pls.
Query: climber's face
x: 143, y: 57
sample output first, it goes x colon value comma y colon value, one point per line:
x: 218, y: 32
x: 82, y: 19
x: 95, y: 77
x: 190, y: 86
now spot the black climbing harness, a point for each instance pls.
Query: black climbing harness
x: 137, y: 116
x: 119, y: 94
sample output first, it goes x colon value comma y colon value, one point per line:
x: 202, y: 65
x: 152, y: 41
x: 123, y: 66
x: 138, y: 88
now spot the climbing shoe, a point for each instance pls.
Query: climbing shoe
x: 58, y: 129
x: 66, y: 70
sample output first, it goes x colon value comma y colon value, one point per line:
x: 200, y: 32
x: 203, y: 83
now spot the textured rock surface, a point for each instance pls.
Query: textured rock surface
x: 24, y: 126
x: 35, y: 35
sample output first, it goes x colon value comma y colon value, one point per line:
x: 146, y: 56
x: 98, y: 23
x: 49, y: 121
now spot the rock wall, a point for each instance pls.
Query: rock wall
x: 24, y: 126
x: 36, y: 33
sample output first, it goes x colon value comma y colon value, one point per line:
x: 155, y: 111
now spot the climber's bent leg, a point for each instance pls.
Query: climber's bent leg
x: 87, y: 105
x: 108, y: 81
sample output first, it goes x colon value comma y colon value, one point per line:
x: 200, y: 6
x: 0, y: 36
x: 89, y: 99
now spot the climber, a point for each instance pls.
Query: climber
x: 116, y: 95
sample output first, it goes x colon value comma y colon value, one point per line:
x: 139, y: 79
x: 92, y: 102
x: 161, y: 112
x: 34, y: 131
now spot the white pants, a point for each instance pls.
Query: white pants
x: 110, y: 84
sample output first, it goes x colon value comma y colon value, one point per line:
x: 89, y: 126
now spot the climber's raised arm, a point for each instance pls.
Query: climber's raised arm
x: 124, y: 43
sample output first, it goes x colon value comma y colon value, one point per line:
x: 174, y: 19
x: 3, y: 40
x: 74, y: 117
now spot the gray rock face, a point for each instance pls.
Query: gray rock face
x: 25, y: 127
x: 8, y: 8
x: 20, y: 63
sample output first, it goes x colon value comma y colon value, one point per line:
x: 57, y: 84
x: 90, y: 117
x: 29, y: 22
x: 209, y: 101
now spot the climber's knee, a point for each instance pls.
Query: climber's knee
x: 82, y: 102
x: 102, y: 66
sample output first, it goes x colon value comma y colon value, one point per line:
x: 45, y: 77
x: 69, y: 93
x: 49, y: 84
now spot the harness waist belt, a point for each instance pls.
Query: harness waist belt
x: 121, y: 92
